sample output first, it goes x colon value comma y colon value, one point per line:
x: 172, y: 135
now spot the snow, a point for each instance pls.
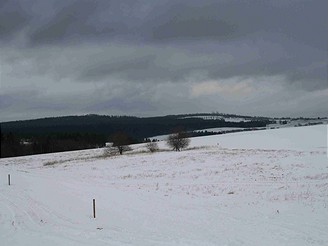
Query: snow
x: 205, y: 117
x: 266, y: 187
x: 298, y: 122
x: 221, y: 129
x: 217, y: 117
x: 159, y: 137
x: 216, y: 130
x: 292, y: 138
x: 236, y: 119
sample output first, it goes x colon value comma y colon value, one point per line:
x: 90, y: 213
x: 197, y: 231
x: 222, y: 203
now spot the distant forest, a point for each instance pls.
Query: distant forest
x: 91, y: 131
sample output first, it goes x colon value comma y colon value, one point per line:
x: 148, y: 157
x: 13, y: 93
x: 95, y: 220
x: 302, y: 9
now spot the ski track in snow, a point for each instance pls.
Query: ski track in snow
x: 235, y: 193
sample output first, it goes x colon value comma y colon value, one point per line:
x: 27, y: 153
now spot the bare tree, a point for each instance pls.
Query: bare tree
x: 178, y: 140
x: 152, y: 146
x: 110, y: 150
x: 121, y: 141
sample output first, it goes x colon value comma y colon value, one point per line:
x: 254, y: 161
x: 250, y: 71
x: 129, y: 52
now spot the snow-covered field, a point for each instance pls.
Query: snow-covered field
x: 266, y: 187
x: 221, y: 129
x: 217, y: 117
x: 298, y: 122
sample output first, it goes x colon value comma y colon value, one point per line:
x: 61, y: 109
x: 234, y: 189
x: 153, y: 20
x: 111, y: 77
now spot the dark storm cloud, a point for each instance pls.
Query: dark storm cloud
x: 166, y: 21
x: 304, y: 21
x: 67, y: 21
x: 72, y: 22
x: 12, y: 18
x: 192, y: 22
x: 298, y: 24
x: 146, y: 45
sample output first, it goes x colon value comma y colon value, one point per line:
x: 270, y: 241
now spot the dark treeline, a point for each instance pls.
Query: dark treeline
x: 209, y: 133
x: 81, y: 132
x: 16, y: 145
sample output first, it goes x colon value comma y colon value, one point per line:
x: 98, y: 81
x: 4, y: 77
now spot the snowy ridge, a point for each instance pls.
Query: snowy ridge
x: 265, y: 187
x: 218, y: 117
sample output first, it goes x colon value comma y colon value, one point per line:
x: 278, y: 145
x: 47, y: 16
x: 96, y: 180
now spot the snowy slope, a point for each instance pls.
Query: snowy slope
x: 254, y: 188
x: 220, y: 129
x: 298, y: 138
x: 217, y: 117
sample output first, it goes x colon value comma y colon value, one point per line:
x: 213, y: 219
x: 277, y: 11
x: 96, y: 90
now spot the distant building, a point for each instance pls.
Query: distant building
x: 109, y: 144
x: 25, y: 142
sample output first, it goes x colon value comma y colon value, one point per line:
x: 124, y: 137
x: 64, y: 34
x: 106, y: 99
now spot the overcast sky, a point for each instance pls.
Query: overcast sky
x: 147, y: 58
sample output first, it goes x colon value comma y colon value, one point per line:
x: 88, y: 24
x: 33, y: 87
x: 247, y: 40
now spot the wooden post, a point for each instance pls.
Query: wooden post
x: 8, y: 179
x: 94, y: 208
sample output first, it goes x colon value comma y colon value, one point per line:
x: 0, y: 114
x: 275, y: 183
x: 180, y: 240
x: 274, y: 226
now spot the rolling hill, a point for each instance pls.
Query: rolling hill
x: 251, y: 188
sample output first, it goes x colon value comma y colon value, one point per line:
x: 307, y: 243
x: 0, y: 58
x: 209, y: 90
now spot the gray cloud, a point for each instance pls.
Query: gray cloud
x: 152, y: 51
x: 126, y: 67
x: 72, y: 22
x: 165, y: 21
x: 12, y: 18
x: 192, y: 22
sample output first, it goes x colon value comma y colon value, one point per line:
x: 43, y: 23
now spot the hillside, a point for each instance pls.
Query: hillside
x: 69, y: 133
x: 252, y: 188
x: 91, y: 131
x: 139, y: 126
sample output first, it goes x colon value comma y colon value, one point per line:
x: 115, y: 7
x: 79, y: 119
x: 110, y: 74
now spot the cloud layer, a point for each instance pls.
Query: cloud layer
x: 161, y: 57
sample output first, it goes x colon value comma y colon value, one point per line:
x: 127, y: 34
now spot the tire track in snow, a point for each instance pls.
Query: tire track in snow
x: 32, y: 218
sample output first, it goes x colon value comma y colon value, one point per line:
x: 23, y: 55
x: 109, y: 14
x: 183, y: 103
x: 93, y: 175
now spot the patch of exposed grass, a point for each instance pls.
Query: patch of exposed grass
x: 50, y: 163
